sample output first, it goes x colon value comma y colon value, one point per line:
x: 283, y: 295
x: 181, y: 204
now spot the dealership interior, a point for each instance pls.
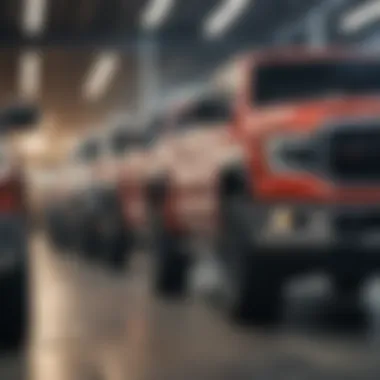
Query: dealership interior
x: 113, y: 264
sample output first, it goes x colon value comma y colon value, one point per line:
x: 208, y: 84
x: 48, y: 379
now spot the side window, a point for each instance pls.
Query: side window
x: 124, y: 140
x: 207, y: 113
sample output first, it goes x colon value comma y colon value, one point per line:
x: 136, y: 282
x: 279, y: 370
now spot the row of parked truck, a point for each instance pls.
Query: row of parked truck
x: 275, y: 165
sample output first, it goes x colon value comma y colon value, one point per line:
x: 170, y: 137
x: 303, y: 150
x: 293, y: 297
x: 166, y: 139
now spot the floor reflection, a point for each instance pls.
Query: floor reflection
x: 90, y: 326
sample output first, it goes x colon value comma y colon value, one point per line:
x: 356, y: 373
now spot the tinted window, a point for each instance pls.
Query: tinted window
x: 206, y: 112
x: 298, y: 81
x: 122, y: 141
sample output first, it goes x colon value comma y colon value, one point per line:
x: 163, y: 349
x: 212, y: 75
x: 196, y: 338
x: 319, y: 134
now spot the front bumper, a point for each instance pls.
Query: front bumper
x: 333, y: 238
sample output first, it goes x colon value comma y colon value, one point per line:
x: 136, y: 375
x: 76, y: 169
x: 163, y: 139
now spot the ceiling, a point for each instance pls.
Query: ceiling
x: 73, y: 29
x: 118, y: 22
x: 75, y: 32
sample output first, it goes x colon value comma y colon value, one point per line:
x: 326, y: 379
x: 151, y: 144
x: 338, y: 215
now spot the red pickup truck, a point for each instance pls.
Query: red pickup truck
x: 304, y: 195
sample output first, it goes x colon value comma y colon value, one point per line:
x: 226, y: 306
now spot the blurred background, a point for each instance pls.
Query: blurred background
x: 87, y: 61
x: 91, y: 66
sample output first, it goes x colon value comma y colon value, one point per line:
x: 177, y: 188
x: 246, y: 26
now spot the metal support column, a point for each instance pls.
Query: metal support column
x: 314, y: 23
x: 317, y: 23
x: 316, y: 29
x: 148, y: 77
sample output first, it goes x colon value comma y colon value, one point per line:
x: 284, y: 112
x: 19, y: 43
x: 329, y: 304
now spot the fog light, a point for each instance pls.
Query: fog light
x: 285, y: 224
x: 281, y: 220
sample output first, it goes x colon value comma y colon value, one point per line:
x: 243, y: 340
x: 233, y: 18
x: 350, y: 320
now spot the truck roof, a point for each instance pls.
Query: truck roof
x: 229, y: 76
x: 305, y: 54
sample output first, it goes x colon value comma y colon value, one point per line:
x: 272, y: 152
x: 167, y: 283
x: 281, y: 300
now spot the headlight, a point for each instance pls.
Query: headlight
x: 296, y: 223
x: 292, y: 153
x: 281, y: 221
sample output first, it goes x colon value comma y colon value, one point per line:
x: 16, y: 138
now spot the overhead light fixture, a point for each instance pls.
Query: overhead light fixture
x: 30, y: 74
x: 34, y: 16
x: 183, y: 95
x: 100, y: 76
x: 223, y: 17
x: 156, y: 13
x: 360, y: 17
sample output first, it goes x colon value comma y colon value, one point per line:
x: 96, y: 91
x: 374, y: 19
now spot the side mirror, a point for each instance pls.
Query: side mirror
x: 18, y: 118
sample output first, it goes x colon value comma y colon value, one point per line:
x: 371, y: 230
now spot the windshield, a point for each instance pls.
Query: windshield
x: 303, y: 81
x: 206, y: 112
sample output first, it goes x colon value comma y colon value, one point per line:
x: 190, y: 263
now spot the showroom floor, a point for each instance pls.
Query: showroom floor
x: 89, y: 325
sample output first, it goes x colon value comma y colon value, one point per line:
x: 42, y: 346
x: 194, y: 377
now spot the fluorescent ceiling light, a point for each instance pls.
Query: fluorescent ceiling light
x: 34, y: 16
x: 30, y: 74
x: 156, y: 13
x: 223, y: 17
x: 100, y: 76
x: 183, y: 95
x: 360, y: 17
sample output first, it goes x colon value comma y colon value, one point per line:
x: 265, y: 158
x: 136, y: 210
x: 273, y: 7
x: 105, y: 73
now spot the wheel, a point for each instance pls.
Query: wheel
x: 13, y: 319
x: 90, y: 243
x: 253, y: 291
x: 118, y: 251
x: 253, y: 285
x: 170, y: 267
x: 13, y: 282
x: 170, y: 261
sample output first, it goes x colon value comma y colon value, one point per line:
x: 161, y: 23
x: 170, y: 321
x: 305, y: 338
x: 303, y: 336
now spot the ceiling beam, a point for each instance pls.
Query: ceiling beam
x: 128, y: 43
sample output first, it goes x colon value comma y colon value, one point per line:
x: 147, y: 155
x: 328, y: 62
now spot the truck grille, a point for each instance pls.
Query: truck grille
x: 355, y: 153
x: 356, y: 222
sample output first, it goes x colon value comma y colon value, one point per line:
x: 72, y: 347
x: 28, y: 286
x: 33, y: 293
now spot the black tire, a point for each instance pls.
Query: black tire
x: 14, y: 305
x: 170, y: 268
x: 90, y: 243
x: 254, y: 286
x: 118, y: 251
x: 170, y: 261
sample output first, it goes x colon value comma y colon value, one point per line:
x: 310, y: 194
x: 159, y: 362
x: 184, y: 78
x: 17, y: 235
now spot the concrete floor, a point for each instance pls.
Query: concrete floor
x: 88, y: 325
